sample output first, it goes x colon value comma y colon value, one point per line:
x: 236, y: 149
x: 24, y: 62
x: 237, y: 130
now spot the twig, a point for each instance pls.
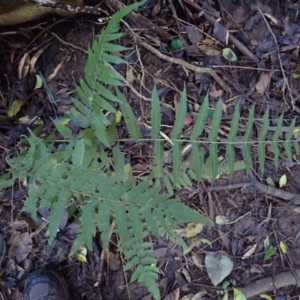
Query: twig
x: 240, y: 46
x: 141, y: 20
x: 185, y: 64
x: 268, y: 190
x: 280, y: 62
x: 267, y: 284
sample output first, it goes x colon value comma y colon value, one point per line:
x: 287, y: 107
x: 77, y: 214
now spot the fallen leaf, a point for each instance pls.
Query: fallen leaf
x: 229, y: 54
x: 250, y: 251
x: 282, y: 180
x: 207, y: 48
x: 238, y: 295
x: 221, y: 220
x: 265, y: 296
x: 190, y: 230
x: 225, y: 296
x: 130, y: 76
x: 263, y: 83
x: 218, y: 266
x: 266, y: 243
x: 198, y: 261
x: 198, y: 296
x: 270, y: 253
x: 193, y: 33
x: 113, y: 261
x: 81, y: 257
x: 283, y: 247
x: 20, y: 246
x: 173, y: 295
x: 14, y: 108
x: 38, y: 82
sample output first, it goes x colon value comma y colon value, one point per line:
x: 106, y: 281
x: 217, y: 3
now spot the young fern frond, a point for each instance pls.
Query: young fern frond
x: 96, y: 98
x: 198, y: 168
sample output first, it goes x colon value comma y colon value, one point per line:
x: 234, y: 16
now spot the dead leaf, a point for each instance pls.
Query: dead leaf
x: 263, y: 83
x: 173, y: 295
x: 129, y: 75
x: 218, y: 266
x: 198, y: 261
x: 249, y: 251
x: 198, y: 296
x: 20, y: 247
x: 207, y: 48
x: 190, y: 230
x: 112, y: 261
x: 194, y: 35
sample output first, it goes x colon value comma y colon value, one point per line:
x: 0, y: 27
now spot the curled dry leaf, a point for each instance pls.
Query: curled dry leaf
x: 263, y: 83
x: 221, y: 220
x: 112, y: 261
x: 173, y: 295
x: 190, y: 230
x: 249, y: 251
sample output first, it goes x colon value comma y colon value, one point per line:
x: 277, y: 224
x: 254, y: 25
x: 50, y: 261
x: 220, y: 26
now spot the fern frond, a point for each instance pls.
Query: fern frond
x: 287, y: 143
x: 274, y: 143
x: 231, y: 139
x: 247, y: 137
x: 261, y: 141
x: 95, y: 97
x: 212, y: 139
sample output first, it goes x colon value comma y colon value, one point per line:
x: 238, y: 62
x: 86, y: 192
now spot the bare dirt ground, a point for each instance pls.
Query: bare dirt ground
x: 265, y: 37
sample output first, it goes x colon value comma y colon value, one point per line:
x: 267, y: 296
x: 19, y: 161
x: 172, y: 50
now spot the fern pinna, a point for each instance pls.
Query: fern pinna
x: 80, y: 169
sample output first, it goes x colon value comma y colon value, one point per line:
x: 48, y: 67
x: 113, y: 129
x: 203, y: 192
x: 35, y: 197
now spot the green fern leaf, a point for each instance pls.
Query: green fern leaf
x: 78, y: 153
x: 275, y: 142
x: 212, y: 139
x: 197, y: 161
x: 63, y: 130
x: 200, y: 121
x: 5, y: 182
x: 87, y: 223
x: 182, y: 212
x: 288, y: 141
x: 129, y: 117
x: 231, y: 139
x: 176, y: 158
x: 103, y: 221
x: 119, y: 160
x: 180, y: 116
x: 121, y: 220
x: 246, y: 140
x: 155, y: 135
x: 134, y: 216
x: 57, y: 210
x: 261, y: 141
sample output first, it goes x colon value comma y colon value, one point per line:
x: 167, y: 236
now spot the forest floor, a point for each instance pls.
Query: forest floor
x: 256, y: 228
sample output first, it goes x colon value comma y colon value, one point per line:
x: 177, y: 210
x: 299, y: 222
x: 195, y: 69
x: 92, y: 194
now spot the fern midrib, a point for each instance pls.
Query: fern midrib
x: 76, y: 192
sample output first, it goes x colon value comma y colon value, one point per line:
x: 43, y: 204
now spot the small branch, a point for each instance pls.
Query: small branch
x: 270, y: 283
x: 182, y: 63
x: 268, y: 190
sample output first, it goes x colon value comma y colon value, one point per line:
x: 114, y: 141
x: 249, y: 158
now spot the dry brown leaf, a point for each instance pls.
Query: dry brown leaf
x: 263, y: 83
x: 20, y: 247
x: 112, y: 261
x: 173, y: 295
x: 198, y: 261
x: 249, y: 251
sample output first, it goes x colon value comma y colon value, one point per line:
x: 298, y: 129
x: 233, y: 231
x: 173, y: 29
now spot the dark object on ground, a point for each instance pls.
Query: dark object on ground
x: 45, y: 285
